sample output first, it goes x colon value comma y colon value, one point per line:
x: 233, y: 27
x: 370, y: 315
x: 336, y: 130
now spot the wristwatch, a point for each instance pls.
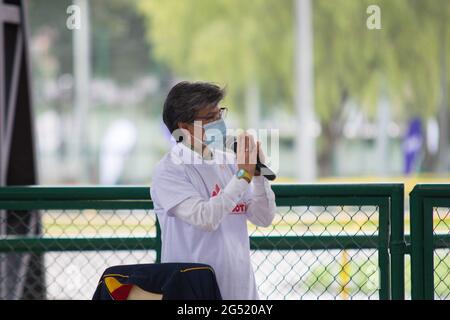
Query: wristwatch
x: 243, y: 174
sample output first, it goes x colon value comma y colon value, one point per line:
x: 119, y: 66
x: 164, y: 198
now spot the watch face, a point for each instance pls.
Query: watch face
x: 240, y: 173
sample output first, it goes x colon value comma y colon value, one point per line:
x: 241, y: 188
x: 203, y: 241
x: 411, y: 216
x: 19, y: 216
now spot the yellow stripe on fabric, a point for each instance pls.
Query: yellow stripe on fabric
x: 115, y: 275
x: 197, y: 268
x: 112, y: 284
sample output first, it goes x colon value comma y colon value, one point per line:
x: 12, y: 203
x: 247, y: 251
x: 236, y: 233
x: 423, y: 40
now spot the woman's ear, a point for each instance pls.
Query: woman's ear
x: 182, y: 133
x: 183, y: 125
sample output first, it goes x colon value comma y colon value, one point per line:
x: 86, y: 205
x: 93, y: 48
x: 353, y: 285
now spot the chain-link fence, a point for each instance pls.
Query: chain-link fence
x: 280, y: 274
x: 322, y: 270
x: 441, y: 228
x: 326, y: 242
x: 74, y: 273
x: 430, y: 241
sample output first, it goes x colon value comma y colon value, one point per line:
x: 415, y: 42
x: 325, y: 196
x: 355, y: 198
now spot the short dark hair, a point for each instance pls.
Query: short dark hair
x: 185, y: 99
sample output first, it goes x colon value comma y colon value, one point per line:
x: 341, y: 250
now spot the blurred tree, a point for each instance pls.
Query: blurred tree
x: 235, y: 42
x: 433, y: 18
x: 119, y: 49
x: 50, y: 16
x: 345, y: 64
x: 226, y: 41
x: 417, y: 34
x: 119, y: 53
x: 117, y: 30
x: 248, y: 43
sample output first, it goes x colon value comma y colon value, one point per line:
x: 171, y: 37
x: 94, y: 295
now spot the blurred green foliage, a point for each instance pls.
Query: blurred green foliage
x: 116, y: 33
x: 236, y: 42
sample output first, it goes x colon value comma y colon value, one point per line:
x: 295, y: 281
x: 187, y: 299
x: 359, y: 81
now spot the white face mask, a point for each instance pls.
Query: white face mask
x: 215, y: 134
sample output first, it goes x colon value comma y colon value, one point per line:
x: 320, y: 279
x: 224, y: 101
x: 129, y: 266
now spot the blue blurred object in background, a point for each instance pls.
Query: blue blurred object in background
x: 412, y: 145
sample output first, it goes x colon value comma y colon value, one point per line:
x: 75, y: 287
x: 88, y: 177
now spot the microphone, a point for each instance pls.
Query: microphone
x: 231, y: 143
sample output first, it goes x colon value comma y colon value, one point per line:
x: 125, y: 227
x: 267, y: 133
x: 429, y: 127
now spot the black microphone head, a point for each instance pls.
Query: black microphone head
x: 231, y: 143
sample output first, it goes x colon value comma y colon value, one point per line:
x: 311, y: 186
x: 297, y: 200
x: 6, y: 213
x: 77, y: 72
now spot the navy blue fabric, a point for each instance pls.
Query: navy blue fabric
x: 175, y: 281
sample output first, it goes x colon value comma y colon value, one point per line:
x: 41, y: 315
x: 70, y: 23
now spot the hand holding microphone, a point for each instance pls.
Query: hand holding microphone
x: 246, y: 151
x: 250, y: 155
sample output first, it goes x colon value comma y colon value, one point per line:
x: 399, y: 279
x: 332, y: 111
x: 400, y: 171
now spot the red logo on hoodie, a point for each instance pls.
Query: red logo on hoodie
x: 215, y: 191
x: 240, y: 208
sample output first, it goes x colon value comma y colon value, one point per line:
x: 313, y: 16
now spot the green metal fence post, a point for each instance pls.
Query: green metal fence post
x: 383, y: 252
x: 397, y: 244
x: 417, y: 267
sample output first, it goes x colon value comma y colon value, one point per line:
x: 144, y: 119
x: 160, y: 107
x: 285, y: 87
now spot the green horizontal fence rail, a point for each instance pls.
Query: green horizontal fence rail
x: 328, y: 207
x: 430, y: 231
x: 77, y: 198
